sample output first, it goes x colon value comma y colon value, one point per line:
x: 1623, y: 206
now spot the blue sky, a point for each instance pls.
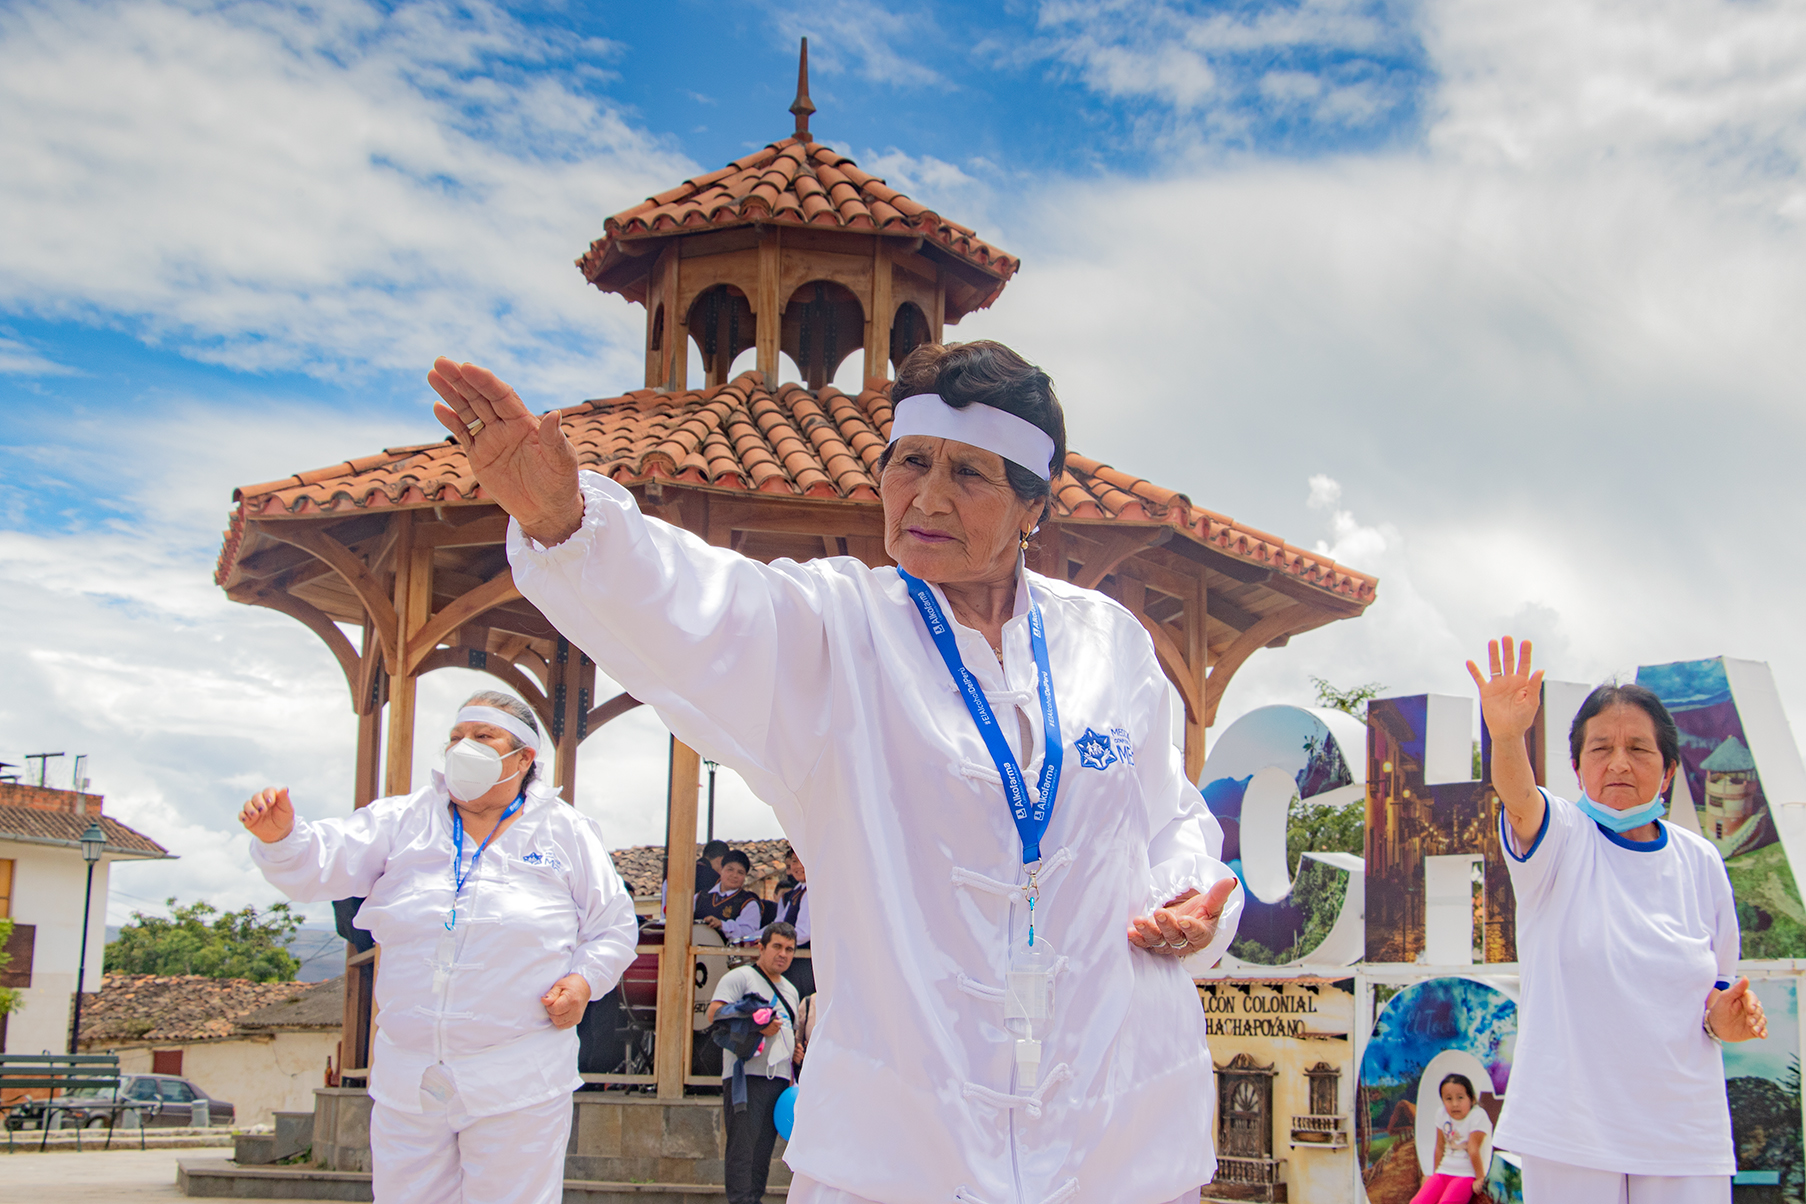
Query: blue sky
x: 1497, y: 299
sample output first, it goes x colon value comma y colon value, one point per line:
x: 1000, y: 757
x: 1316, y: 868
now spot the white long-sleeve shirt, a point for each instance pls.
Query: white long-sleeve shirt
x: 744, y: 927
x: 801, y: 923
x: 543, y: 902
x: 819, y: 684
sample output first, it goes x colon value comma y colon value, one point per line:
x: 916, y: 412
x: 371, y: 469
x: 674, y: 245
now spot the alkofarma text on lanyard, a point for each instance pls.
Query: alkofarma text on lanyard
x: 1028, y: 996
x: 460, y: 875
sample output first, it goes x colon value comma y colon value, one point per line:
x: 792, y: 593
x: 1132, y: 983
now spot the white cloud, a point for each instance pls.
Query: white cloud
x: 859, y: 37
x: 1327, y: 56
x: 186, y: 703
x: 18, y: 358
x: 1548, y: 355
x: 327, y: 189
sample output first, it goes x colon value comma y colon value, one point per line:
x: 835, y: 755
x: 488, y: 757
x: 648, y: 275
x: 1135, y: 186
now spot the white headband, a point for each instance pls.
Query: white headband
x: 502, y: 719
x: 1015, y: 439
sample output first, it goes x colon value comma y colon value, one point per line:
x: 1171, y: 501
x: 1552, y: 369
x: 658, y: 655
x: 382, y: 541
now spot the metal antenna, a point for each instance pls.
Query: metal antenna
x: 43, y: 760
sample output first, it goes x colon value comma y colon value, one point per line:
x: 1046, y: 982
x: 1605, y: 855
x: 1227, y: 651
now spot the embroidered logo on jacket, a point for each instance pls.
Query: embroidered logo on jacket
x: 1095, y: 751
x: 543, y: 860
x: 1119, y: 740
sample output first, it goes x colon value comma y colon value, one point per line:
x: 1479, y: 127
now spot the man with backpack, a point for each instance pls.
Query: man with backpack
x: 752, y: 1132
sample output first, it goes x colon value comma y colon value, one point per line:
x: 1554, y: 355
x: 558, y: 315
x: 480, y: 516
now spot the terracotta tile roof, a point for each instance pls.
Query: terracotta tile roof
x: 36, y: 825
x: 791, y: 183
x: 642, y: 866
x: 177, y: 1007
x: 742, y: 436
x: 320, y: 1006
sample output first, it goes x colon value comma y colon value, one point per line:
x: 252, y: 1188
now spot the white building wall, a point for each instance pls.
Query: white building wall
x: 260, y: 1075
x: 48, y: 882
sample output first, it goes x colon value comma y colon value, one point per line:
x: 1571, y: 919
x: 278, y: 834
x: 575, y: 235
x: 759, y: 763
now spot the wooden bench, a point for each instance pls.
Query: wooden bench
x: 65, y: 1072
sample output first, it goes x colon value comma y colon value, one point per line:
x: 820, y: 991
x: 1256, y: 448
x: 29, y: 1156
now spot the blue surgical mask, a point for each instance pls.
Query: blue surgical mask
x: 1623, y: 821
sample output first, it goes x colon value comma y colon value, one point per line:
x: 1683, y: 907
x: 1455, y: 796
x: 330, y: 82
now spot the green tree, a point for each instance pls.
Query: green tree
x: 9, y: 996
x: 200, y: 939
x: 1352, y: 701
x: 1324, y: 828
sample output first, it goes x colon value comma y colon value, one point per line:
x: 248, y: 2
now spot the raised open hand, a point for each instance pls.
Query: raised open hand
x: 1735, y: 1014
x: 1184, y: 925
x: 1510, y: 699
x: 522, y: 461
x: 268, y: 815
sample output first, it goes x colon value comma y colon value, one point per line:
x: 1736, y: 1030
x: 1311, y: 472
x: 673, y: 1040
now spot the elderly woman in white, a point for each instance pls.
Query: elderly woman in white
x: 499, y: 915
x: 1014, y: 882
x: 1627, y: 933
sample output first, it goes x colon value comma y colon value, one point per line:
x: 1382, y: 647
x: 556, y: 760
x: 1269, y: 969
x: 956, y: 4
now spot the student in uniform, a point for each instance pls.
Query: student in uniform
x: 1627, y: 935
x: 793, y: 909
x: 976, y: 762
x: 708, y: 865
x: 500, y: 916
x: 728, y: 907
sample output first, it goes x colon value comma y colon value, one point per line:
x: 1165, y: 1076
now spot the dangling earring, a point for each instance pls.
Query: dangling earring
x: 1022, y: 540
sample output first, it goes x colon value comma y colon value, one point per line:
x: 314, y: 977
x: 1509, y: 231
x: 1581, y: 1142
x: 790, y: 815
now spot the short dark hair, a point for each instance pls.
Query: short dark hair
x: 713, y: 849
x: 736, y: 857
x: 1611, y: 694
x: 985, y: 372
x: 1460, y: 1080
x: 777, y: 928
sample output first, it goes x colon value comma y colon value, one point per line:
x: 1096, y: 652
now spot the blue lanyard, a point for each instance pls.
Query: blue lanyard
x: 460, y: 875
x: 1031, y: 817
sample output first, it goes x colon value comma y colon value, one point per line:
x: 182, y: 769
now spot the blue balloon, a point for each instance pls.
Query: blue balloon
x: 785, y: 1113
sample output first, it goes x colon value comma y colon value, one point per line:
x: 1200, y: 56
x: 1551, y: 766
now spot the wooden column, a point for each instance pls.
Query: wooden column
x: 413, y: 606
x: 676, y: 977
x: 1197, y: 658
x: 367, y: 778
x: 878, y: 316
x: 677, y: 325
x: 572, y: 694
x: 768, y: 308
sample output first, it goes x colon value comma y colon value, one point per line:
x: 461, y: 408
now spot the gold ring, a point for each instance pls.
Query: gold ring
x: 473, y: 428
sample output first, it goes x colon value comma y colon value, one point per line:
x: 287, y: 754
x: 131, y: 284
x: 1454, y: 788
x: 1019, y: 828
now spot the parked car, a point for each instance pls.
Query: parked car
x: 163, y: 1101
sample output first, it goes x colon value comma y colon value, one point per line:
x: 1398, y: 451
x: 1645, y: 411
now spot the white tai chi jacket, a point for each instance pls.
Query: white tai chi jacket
x: 544, y: 901
x: 819, y: 684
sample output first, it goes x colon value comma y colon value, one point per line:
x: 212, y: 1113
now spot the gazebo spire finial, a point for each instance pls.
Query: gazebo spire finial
x: 802, y: 106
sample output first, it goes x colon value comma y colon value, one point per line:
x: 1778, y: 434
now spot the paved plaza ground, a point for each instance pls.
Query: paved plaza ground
x: 110, y: 1175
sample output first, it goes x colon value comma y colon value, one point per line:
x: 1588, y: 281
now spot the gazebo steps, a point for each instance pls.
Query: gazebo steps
x: 221, y: 1178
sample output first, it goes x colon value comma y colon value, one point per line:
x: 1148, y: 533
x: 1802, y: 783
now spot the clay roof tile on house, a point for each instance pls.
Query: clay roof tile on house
x: 179, y: 1007
x: 319, y: 1006
x: 35, y: 826
x: 744, y: 436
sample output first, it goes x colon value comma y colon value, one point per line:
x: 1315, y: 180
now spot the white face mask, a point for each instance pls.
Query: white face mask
x: 472, y: 769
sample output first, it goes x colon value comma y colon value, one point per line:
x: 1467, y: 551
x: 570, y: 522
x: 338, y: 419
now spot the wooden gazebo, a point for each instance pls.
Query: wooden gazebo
x: 792, y: 249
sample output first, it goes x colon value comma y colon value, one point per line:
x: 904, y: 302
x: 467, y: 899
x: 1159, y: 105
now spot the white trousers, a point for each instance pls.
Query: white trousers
x: 804, y: 1190
x: 1547, y: 1182
x: 447, y: 1156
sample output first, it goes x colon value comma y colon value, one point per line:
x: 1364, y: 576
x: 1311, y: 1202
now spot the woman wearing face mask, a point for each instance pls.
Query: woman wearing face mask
x: 500, y: 916
x: 1627, y: 934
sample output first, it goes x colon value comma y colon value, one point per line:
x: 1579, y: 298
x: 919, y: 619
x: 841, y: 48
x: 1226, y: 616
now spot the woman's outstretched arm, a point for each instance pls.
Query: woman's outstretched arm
x: 1510, y: 700
x: 731, y: 652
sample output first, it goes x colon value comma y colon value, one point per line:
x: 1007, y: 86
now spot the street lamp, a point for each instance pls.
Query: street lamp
x: 713, y: 766
x: 94, y: 843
